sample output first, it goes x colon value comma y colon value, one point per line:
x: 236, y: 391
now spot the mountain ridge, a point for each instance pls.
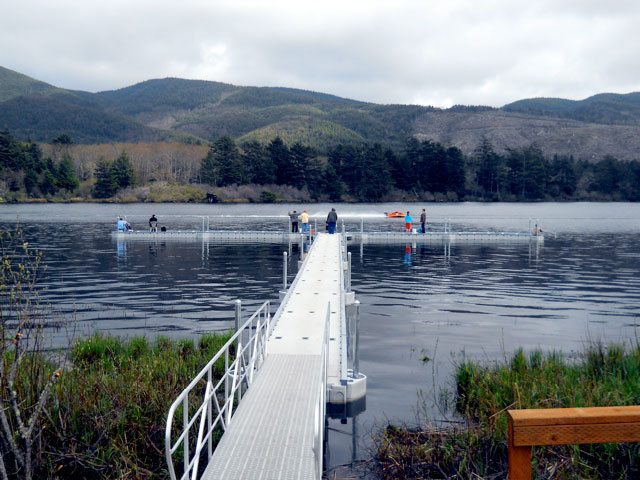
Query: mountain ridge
x: 202, y: 110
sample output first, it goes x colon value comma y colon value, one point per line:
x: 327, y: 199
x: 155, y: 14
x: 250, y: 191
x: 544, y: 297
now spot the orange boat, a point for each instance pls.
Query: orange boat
x: 395, y: 214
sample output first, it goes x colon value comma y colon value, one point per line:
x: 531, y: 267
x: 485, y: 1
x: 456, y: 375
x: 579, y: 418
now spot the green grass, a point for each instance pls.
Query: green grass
x: 601, y: 376
x: 108, y: 412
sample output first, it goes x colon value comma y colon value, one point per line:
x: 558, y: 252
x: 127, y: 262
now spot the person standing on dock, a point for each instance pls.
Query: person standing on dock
x: 294, y: 221
x: 407, y: 222
x: 304, y: 220
x: 332, y: 220
x: 423, y: 221
x: 153, y: 224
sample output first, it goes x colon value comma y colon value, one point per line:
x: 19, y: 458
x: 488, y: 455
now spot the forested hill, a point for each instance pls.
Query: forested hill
x: 203, y: 111
x: 605, y: 108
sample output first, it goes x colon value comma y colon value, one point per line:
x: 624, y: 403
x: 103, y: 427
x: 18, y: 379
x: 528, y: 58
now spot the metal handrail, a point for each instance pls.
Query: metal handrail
x: 321, y: 403
x: 238, y: 374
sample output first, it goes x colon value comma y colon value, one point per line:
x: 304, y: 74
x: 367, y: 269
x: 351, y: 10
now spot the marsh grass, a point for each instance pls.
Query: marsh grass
x: 108, y: 411
x: 601, y: 376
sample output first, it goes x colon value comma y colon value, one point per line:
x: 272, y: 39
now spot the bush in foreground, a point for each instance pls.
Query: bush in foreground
x: 108, y: 411
x: 602, y: 376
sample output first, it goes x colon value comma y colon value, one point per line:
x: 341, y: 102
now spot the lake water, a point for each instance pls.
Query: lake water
x: 480, y: 301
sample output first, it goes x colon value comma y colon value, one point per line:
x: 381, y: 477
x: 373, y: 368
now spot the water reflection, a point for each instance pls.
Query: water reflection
x: 407, y: 256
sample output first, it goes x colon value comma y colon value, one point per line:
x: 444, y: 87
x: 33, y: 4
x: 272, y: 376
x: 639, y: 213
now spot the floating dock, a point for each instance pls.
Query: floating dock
x: 444, y: 237
x: 239, y: 236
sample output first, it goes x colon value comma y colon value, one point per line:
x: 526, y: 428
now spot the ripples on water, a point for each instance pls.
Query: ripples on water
x: 481, y: 301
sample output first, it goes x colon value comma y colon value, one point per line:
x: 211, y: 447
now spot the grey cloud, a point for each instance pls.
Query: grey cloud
x: 464, y: 51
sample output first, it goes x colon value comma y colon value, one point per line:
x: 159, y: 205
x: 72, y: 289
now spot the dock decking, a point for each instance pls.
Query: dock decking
x: 273, y: 434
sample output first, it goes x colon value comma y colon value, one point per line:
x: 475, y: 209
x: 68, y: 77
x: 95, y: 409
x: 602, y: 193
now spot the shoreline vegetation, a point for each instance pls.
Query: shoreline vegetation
x: 274, y: 172
x: 477, y: 446
x: 106, y: 412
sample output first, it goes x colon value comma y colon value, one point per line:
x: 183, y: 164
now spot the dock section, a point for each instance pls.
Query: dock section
x: 440, y: 238
x: 276, y: 428
x: 389, y: 237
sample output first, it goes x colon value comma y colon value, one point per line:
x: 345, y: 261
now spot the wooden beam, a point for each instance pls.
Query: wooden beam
x: 574, y: 416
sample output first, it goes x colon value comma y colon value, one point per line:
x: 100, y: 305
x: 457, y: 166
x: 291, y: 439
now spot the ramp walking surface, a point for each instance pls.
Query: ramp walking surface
x: 271, y: 435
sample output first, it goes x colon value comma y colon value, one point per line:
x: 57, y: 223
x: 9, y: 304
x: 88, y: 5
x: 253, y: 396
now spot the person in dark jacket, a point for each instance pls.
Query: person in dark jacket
x: 423, y: 221
x: 294, y: 221
x: 153, y: 223
x: 332, y: 220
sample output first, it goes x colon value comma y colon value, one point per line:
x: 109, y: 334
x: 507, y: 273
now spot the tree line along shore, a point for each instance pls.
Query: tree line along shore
x: 277, y: 172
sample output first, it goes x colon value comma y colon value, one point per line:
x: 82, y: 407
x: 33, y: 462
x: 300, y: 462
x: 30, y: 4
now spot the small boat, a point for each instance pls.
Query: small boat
x: 395, y: 214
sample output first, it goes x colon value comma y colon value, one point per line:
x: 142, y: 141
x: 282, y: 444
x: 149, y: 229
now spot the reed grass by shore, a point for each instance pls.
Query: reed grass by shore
x: 107, y: 412
x: 600, y: 376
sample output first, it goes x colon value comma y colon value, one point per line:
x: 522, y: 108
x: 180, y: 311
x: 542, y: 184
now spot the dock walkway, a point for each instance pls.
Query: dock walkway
x: 274, y: 432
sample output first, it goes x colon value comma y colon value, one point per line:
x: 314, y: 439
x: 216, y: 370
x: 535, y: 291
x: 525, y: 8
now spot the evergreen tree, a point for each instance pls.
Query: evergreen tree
x: 535, y: 176
x: 281, y: 158
x: 333, y: 184
x: 562, y: 179
x: 63, y: 139
x: 489, y: 175
x: 259, y: 165
x: 377, y: 177
x: 315, y: 177
x: 122, y: 171
x: 48, y: 183
x: 343, y: 160
x: 300, y: 157
x: 10, y: 152
x: 34, y: 158
x: 433, y: 167
x: 371, y: 177
x: 455, y: 171
x: 106, y: 184
x: 210, y: 168
x: 228, y: 158
x: 413, y: 169
x: 527, y: 172
x: 30, y: 181
x: 66, y: 177
x: 608, y: 175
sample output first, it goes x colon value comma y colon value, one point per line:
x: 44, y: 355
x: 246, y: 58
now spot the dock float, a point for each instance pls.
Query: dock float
x: 229, y: 236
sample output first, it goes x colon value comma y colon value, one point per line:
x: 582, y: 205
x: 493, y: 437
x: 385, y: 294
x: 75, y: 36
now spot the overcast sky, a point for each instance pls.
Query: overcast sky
x: 440, y: 53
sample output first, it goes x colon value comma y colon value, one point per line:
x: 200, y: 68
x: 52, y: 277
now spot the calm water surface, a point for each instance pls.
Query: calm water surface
x: 479, y: 301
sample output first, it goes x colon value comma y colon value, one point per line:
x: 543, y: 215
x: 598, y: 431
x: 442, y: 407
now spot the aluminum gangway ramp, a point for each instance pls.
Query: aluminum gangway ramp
x: 274, y: 433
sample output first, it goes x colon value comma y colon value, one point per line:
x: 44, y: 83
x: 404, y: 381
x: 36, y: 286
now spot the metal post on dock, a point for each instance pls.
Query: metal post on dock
x: 208, y: 223
x: 361, y: 226
x: 315, y: 227
x: 284, y: 271
x: 238, y: 314
x: 289, y: 222
x: 530, y: 227
x: 202, y: 224
x: 348, y: 271
x: 343, y: 230
x: 356, y: 335
x: 238, y: 319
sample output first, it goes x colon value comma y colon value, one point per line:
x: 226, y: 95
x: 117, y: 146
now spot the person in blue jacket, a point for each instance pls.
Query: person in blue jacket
x: 121, y: 225
x: 407, y: 222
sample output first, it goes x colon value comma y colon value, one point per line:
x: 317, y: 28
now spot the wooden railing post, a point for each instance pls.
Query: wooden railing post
x: 519, y: 458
